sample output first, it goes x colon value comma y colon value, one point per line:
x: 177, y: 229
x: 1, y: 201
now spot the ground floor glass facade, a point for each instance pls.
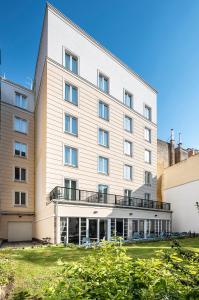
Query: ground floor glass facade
x: 76, y: 230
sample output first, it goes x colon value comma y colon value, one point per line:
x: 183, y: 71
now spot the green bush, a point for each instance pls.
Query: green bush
x: 105, y: 274
x: 6, y: 271
x: 108, y: 273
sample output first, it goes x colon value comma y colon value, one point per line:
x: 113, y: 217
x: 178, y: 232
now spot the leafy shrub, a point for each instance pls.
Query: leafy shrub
x: 106, y: 274
x: 6, y: 271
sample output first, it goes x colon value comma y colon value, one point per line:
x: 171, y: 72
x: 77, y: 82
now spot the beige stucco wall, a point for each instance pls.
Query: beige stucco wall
x: 181, y: 173
x: 88, y: 122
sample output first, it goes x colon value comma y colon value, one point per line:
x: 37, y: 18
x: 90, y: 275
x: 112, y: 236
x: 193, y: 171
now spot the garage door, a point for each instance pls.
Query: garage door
x: 19, y: 231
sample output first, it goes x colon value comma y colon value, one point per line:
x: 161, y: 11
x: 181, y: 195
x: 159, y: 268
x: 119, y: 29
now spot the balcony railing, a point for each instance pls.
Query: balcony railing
x: 67, y: 194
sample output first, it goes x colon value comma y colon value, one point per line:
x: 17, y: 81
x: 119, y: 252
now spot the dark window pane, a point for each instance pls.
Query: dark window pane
x: 17, y: 173
x: 73, y: 234
x: 23, y: 198
x: 17, y: 198
x: 74, y: 65
x: 23, y: 174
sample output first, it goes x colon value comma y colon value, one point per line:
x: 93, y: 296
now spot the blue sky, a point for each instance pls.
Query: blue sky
x: 158, y: 39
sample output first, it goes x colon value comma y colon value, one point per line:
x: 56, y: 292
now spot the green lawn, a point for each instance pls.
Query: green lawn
x: 36, y: 266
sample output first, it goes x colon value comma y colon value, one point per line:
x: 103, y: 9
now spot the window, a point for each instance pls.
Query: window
x: 70, y: 189
x: 20, y: 149
x: 128, y: 193
x: 103, y: 191
x: 127, y: 123
x: 103, y: 110
x: 147, y: 112
x: 20, y: 125
x: 147, y: 196
x: 128, y: 99
x: 71, y: 94
x: 128, y: 148
x: 71, y: 124
x: 70, y: 156
x: 20, y: 198
x: 71, y: 62
x: 147, y: 134
x: 21, y: 101
x: 20, y: 174
x: 147, y: 156
x: 127, y: 172
x: 103, y: 82
x: 103, y: 137
x: 147, y: 178
x: 103, y: 165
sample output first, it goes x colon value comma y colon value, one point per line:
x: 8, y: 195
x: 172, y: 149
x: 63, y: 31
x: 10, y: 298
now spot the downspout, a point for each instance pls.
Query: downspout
x: 56, y: 236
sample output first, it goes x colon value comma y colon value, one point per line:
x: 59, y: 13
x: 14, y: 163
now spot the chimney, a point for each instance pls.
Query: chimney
x: 180, y: 154
x: 172, y: 148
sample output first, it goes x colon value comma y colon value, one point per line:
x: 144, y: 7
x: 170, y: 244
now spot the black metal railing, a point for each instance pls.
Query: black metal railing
x: 68, y: 194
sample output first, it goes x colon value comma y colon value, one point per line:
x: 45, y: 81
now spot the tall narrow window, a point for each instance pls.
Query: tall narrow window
x: 71, y: 93
x: 128, y: 148
x: 20, y: 174
x: 71, y: 62
x: 20, y: 149
x: 20, y: 198
x: 103, y: 165
x: 20, y: 125
x: 147, y: 112
x: 128, y: 173
x: 103, y: 191
x: 71, y: 124
x: 147, y: 156
x: 128, y: 124
x: 128, y: 99
x: 21, y: 101
x: 147, y: 134
x: 103, y: 111
x: 103, y: 82
x: 147, y: 196
x: 70, y: 156
x: 147, y: 178
x: 103, y: 137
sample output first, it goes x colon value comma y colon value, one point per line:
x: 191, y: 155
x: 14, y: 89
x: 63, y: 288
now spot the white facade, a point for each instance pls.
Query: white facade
x: 183, y: 199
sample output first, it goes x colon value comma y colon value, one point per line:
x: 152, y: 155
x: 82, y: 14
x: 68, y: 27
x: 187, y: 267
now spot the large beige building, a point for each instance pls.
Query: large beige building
x: 95, y: 143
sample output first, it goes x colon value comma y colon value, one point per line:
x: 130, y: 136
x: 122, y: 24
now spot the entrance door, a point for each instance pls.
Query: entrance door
x: 70, y: 189
x: 103, y: 230
x: 119, y: 227
x: 93, y: 229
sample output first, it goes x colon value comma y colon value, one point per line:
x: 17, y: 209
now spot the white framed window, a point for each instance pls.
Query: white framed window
x: 21, y: 101
x: 71, y: 124
x: 70, y: 156
x: 128, y: 172
x: 71, y: 62
x: 128, y: 148
x: 103, y: 110
x: 103, y: 137
x: 103, y: 83
x: 128, y: 193
x: 71, y: 93
x: 20, y: 149
x: 20, y: 198
x: 147, y: 112
x: 128, y: 99
x: 147, y: 196
x: 20, y: 174
x: 128, y: 124
x: 147, y: 156
x: 147, y: 134
x: 103, y: 165
x: 20, y: 125
x: 147, y: 178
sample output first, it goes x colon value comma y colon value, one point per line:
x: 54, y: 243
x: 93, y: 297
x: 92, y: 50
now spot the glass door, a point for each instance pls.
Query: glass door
x: 103, y: 191
x: 92, y: 230
x: 70, y: 189
x: 103, y: 229
x: 128, y: 197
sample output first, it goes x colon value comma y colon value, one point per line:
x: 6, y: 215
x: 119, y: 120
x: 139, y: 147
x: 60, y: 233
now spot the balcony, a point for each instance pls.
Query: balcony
x: 66, y: 194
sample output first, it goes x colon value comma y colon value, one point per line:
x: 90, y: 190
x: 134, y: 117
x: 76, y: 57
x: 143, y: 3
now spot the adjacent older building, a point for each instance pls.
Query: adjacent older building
x: 16, y: 161
x: 95, y: 143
